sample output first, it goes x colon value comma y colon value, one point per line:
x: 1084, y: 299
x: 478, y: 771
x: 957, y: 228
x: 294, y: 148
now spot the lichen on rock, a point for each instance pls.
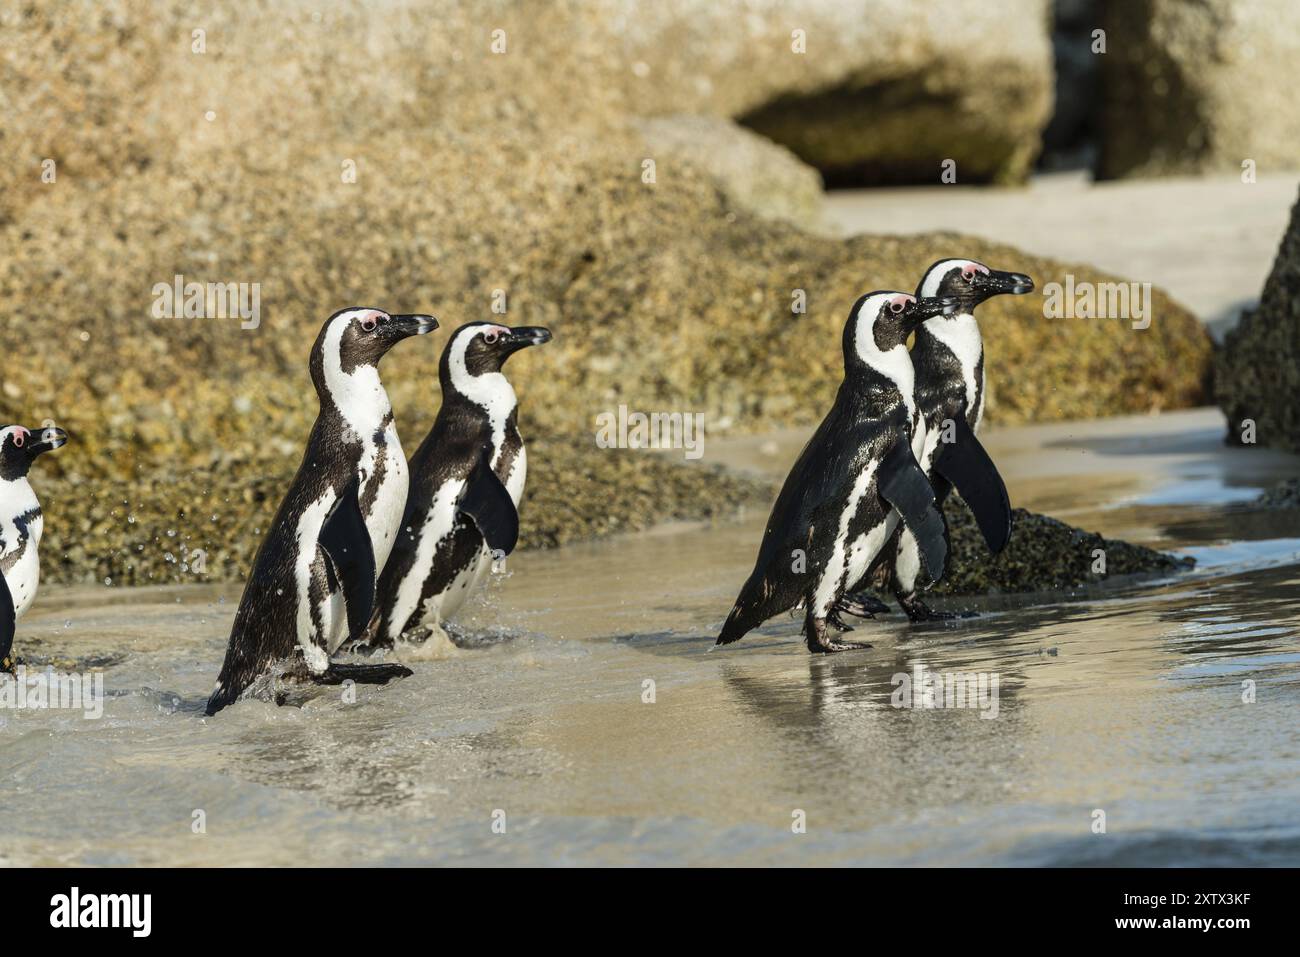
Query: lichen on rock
x: 1257, y: 373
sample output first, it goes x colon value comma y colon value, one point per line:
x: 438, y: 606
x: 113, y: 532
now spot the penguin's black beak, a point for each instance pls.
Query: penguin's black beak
x: 920, y: 310
x: 412, y: 324
x: 45, y: 440
x: 521, y: 337
x: 997, y: 283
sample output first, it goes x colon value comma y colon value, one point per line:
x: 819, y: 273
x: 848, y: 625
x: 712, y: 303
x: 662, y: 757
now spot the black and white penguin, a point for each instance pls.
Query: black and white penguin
x: 855, y: 480
x: 21, y: 524
x: 467, y: 478
x: 948, y: 356
x: 313, y: 581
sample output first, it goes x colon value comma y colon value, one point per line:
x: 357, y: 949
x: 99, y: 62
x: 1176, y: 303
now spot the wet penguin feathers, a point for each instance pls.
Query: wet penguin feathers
x: 853, y: 471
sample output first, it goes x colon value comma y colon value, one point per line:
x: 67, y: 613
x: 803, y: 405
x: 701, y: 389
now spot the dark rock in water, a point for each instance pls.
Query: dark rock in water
x: 1043, y: 555
x: 1257, y: 375
x: 1285, y: 494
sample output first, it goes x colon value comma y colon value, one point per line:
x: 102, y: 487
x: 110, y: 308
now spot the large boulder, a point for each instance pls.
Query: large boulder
x: 1257, y: 375
x: 1200, y: 85
x: 872, y: 88
x: 893, y: 90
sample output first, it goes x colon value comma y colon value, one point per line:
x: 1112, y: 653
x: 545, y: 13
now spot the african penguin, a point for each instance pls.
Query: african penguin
x: 467, y: 478
x: 948, y: 356
x: 313, y: 580
x: 21, y: 524
x: 854, y: 481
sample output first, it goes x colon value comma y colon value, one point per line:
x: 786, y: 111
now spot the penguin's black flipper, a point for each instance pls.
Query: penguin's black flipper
x: 7, y: 622
x: 965, y: 464
x: 345, y: 540
x: 490, y: 507
x: 904, y: 486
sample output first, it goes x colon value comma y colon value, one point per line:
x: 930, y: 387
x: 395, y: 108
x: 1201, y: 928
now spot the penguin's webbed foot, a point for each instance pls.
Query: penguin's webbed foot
x: 917, y: 610
x: 339, y: 672
x: 820, y: 643
x: 835, y: 621
x: 861, y: 605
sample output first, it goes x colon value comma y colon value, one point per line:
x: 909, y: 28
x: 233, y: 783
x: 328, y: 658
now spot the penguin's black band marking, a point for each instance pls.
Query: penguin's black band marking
x: 487, y: 502
x: 7, y: 624
x: 966, y: 464
x: 903, y: 484
x: 346, y: 542
x: 23, y: 524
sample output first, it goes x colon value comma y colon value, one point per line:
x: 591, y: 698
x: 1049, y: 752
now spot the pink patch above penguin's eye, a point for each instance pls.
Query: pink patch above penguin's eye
x: 491, y: 335
x: 899, y: 303
x: 969, y: 270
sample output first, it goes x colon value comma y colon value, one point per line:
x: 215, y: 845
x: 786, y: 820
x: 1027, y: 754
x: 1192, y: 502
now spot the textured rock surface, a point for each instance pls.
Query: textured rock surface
x: 1257, y: 374
x: 1285, y: 494
x: 756, y: 174
x: 1043, y: 555
x: 206, y: 525
x: 905, y: 86
x: 1200, y: 85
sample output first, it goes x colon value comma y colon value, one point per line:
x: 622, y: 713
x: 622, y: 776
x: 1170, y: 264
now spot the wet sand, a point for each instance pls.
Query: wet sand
x: 1124, y: 699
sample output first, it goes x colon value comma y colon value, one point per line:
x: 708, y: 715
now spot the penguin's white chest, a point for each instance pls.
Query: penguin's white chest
x: 961, y: 336
x: 384, y: 463
x: 20, y: 535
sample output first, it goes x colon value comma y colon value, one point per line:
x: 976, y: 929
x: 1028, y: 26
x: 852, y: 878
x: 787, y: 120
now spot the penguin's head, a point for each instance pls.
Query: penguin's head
x: 971, y: 282
x: 360, y: 337
x: 19, y: 447
x: 882, y: 320
x: 477, y: 348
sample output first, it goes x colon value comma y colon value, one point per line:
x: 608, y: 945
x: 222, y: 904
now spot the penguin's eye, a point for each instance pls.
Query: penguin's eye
x: 490, y: 337
x: 18, y: 440
x: 969, y: 270
x: 897, y: 306
x: 369, y: 323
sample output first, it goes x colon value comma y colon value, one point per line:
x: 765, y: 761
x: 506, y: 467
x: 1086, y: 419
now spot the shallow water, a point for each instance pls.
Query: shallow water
x: 1127, y: 700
